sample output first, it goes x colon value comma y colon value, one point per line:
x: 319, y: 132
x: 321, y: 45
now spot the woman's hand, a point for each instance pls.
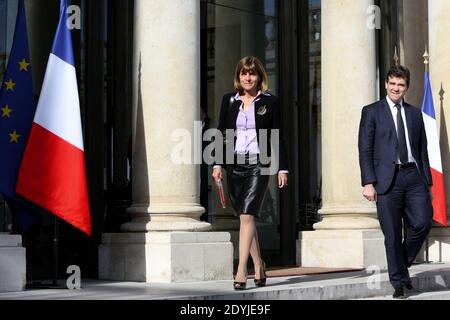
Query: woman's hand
x: 282, y: 180
x: 217, y: 174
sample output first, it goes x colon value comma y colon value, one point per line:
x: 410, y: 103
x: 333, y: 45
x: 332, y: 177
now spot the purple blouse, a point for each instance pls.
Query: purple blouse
x: 246, y: 139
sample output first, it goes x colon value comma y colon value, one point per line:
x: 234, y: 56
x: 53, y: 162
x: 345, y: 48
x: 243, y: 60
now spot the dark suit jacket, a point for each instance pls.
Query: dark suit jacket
x: 378, y: 145
x: 269, y: 120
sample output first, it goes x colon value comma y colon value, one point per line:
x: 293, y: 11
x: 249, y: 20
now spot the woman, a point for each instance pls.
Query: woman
x: 247, y: 111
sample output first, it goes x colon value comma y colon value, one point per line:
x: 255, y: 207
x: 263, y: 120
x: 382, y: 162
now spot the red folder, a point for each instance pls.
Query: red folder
x: 221, y: 194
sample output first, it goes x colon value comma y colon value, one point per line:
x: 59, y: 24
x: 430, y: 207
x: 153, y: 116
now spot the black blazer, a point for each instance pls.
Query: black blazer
x: 269, y: 120
x: 378, y: 145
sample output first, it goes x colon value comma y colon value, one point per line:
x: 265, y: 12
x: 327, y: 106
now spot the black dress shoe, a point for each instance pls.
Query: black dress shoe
x: 409, y: 286
x: 399, y: 293
x: 239, y: 285
x: 262, y: 282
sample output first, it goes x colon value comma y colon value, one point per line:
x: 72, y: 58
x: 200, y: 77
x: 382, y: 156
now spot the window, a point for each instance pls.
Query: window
x: 388, y: 40
x: 8, y: 12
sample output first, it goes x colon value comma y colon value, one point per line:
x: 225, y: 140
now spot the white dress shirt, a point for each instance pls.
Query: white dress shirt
x: 394, y: 111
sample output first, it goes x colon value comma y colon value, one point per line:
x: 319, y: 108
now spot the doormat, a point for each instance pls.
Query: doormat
x: 274, y: 272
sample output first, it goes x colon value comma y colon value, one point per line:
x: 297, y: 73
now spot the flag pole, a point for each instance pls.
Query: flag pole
x: 396, y: 58
x: 55, y: 251
x: 426, y: 62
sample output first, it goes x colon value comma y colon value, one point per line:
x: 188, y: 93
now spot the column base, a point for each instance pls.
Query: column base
x: 438, y: 246
x: 12, y: 263
x: 230, y: 224
x: 341, y: 249
x: 147, y: 224
x: 234, y: 238
x: 355, y: 217
x: 166, y: 257
x: 166, y: 218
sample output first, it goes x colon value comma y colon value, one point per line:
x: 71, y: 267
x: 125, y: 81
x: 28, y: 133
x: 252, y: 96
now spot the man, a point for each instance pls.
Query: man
x: 395, y: 172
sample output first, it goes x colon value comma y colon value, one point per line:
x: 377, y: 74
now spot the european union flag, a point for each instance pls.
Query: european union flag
x: 17, y: 110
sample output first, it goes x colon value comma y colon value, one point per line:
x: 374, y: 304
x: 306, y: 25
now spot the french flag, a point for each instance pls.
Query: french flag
x: 434, y: 154
x: 53, y: 172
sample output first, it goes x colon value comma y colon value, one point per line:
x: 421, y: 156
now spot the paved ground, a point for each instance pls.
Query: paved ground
x: 415, y: 295
x: 433, y: 281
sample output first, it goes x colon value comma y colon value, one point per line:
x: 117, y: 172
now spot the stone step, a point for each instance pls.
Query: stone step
x: 416, y: 295
x: 346, y: 286
x: 432, y: 280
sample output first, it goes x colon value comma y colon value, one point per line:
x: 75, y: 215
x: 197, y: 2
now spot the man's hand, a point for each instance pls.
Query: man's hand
x: 369, y: 192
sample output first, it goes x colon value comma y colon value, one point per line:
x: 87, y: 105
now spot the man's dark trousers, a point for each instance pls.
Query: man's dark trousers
x: 407, y: 198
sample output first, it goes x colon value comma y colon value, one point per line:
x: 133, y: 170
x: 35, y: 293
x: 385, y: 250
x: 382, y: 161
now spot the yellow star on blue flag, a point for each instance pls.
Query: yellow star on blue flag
x: 6, y: 112
x: 23, y: 65
x: 14, y: 137
x: 10, y: 85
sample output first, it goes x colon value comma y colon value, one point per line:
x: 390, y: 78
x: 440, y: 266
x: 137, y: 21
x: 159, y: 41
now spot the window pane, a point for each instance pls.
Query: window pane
x: 261, y: 7
x: 3, y: 22
x: 315, y: 152
x: 8, y: 13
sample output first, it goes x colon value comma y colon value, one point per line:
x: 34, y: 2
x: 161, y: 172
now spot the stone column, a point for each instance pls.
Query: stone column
x: 166, y: 245
x: 167, y: 75
x: 349, y: 229
x: 438, y: 10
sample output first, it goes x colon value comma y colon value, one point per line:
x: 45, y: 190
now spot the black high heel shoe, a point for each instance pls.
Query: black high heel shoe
x: 240, y: 285
x: 262, y: 282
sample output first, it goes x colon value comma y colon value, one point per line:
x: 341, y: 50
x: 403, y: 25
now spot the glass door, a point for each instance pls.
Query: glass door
x: 234, y: 29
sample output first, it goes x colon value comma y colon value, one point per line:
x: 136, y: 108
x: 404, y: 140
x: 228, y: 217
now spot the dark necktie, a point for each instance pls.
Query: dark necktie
x: 401, y: 136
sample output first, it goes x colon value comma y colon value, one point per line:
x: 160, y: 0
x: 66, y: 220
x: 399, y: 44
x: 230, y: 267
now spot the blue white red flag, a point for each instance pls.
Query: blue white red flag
x: 434, y: 154
x: 53, y: 173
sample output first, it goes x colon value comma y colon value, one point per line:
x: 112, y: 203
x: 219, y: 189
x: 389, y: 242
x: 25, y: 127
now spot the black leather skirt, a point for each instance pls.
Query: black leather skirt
x: 246, y: 187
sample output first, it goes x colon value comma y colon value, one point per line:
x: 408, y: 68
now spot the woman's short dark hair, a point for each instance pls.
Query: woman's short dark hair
x: 251, y: 64
x: 399, y: 72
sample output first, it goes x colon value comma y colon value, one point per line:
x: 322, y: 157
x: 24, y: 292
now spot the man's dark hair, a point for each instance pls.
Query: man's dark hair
x: 399, y: 72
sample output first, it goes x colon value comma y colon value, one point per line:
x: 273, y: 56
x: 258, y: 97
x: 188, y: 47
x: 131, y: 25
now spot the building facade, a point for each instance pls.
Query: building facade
x: 147, y: 67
